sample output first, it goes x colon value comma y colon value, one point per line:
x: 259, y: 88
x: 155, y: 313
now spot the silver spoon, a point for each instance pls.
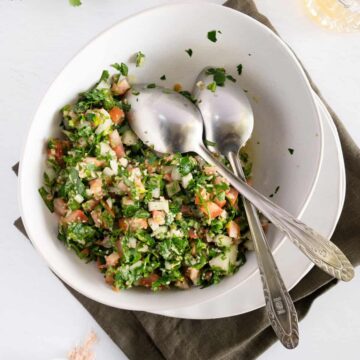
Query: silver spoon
x: 170, y: 123
x: 229, y: 121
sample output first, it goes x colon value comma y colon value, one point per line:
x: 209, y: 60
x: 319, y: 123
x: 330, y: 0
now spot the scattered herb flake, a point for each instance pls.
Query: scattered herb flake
x: 189, y: 51
x: 239, y: 69
x: 277, y: 189
x: 212, y: 86
x: 151, y: 86
x: 140, y: 58
x: 104, y: 76
x: 291, y: 151
x: 231, y: 78
x: 135, y: 92
x: 188, y: 95
x: 122, y: 68
x: 211, y: 35
x: 75, y: 2
x: 163, y: 77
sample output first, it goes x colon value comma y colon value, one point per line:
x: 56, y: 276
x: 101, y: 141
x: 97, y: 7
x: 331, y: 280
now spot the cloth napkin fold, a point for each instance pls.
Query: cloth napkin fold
x: 152, y: 337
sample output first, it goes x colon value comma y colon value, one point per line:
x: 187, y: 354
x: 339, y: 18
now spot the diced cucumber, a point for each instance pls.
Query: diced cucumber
x: 129, y: 138
x: 223, y: 261
x: 223, y: 240
x: 172, y: 188
x: 186, y: 180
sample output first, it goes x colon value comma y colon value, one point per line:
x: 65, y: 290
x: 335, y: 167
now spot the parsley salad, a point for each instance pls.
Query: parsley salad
x: 144, y: 219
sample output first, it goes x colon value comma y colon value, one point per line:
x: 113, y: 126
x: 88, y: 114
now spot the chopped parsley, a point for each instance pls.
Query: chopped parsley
x: 211, y: 35
x: 151, y: 86
x: 140, y: 58
x: 189, y: 52
x: 231, y: 78
x: 291, y: 151
x: 75, y: 2
x: 122, y: 68
x: 163, y: 77
x: 212, y: 86
x: 239, y: 69
x: 219, y: 78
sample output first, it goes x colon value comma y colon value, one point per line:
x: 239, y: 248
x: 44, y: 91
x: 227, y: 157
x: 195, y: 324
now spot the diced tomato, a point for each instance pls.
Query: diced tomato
x: 58, y: 150
x: 123, y: 187
x: 233, y: 229
x: 148, y: 281
x: 119, y: 151
x: 60, y: 206
x: 109, y: 279
x: 117, y: 115
x: 121, y: 87
x: 116, y: 144
x: 232, y: 196
x: 96, y: 188
x: 75, y: 216
x: 192, y: 234
x: 85, y: 252
x: 167, y: 177
x: 220, y: 203
x: 138, y: 223
x: 201, y: 197
x: 220, y: 180
x: 112, y: 259
x: 133, y: 224
x: 124, y: 224
x: 209, y: 170
x: 119, y: 247
x: 211, y: 210
x: 94, y: 161
x: 158, y: 217
x: 115, y: 139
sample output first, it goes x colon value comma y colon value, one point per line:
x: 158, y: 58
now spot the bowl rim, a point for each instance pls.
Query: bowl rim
x: 309, y: 92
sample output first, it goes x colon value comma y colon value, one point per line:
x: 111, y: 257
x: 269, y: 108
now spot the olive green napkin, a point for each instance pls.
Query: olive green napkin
x: 146, y: 336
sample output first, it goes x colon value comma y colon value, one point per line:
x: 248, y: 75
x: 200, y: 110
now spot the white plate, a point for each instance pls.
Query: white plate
x: 273, y: 78
x: 322, y: 213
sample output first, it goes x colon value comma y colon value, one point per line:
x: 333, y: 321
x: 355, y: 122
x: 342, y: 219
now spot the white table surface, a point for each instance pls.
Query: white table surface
x: 39, y: 318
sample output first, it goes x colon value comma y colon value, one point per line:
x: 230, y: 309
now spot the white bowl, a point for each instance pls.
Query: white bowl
x: 285, y: 117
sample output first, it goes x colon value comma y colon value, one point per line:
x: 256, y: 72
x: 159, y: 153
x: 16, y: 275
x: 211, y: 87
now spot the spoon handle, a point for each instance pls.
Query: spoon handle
x: 279, y: 306
x: 317, y: 248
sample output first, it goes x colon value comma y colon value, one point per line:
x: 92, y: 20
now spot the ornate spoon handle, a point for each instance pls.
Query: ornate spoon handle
x: 279, y: 306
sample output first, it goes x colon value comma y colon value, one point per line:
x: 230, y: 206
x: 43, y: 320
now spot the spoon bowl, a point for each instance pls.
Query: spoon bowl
x: 153, y: 109
x: 227, y: 112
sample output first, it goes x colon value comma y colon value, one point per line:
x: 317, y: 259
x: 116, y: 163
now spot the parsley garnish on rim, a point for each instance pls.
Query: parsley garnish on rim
x: 219, y: 78
x: 189, y: 51
x: 75, y: 2
x: 211, y: 35
x: 163, y: 77
x: 122, y: 68
x: 291, y: 151
x: 239, y: 69
x: 212, y: 86
x: 140, y: 58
